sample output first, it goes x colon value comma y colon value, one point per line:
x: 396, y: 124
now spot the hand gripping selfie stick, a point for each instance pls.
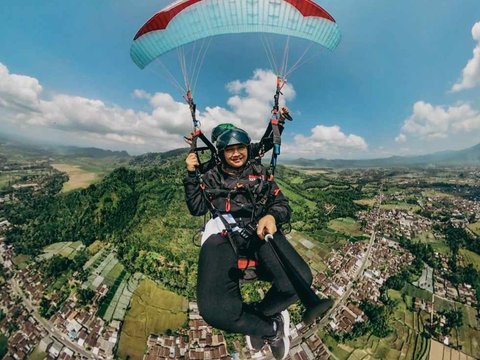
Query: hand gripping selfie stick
x: 315, y: 306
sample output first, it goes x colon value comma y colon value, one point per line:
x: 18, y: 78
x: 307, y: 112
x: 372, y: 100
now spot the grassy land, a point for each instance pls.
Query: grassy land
x: 65, y: 249
x: 293, y: 195
x: 469, y: 339
x: 95, y: 247
x: 400, y: 206
x: 153, y: 310
x: 37, y: 355
x: 475, y: 227
x: 114, y: 274
x: 471, y: 258
x: 78, y: 177
x: 21, y: 260
x: 347, y: 226
x: 368, y: 202
x: 443, y: 305
x: 414, y: 291
x: 426, y: 237
x: 309, y: 249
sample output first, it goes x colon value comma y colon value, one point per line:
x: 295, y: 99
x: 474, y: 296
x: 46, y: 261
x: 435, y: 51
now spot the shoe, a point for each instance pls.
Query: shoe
x: 280, y: 343
x: 254, y: 343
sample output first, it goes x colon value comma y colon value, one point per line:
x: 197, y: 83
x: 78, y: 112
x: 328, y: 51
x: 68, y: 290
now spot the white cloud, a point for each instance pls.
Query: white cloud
x: 400, y: 139
x: 439, y: 122
x: 471, y: 72
x: 18, y: 92
x: 92, y: 121
x: 327, y: 142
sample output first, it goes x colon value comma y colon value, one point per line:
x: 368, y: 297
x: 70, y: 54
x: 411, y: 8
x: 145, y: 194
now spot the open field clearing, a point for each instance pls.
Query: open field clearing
x: 96, y: 259
x: 469, y: 339
x: 78, y: 178
x: 308, y: 249
x: 95, y: 247
x: 441, y: 304
x: 120, y: 301
x: 438, y: 351
x: 293, y: 196
x: 65, y: 249
x: 475, y: 227
x: 347, y: 226
x: 469, y: 257
x: 368, y: 202
x: 153, y: 310
x: 400, y: 206
x: 21, y: 261
x: 426, y: 237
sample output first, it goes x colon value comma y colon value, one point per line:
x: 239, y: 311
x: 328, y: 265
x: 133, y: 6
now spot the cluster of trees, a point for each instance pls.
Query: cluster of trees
x: 453, y: 320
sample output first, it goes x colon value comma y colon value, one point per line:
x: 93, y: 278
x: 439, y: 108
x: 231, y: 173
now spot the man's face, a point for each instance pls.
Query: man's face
x: 236, y: 155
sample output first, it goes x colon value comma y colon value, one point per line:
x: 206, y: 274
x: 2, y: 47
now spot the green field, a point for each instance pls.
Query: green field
x: 471, y: 258
x: 293, y: 195
x: 368, y: 202
x: 153, y: 310
x: 414, y: 291
x: 443, y: 305
x: 65, y: 249
x: 311, y: 255
x: 469, y: 339
x: 426, y: 237
x: 475, y: 227
x: 400, y: 206
x: 347, y: 226
x: 37, y: 355
x: 95, y: 247
x: 21, y: 260
x: 113, y: 274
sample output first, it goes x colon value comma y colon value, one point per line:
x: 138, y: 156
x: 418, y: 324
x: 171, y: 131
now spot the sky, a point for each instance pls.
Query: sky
x: 404, y: 80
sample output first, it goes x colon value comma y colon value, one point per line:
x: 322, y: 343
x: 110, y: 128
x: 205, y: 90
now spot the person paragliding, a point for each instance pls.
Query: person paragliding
x: 245, y: 207
x: 246, y: 204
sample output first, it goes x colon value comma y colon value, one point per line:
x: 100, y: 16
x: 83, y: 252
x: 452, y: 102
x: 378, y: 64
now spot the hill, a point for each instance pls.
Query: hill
x: 466, y: 157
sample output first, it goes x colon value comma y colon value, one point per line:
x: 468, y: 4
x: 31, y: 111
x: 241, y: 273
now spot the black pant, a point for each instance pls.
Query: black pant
x: 218, y: 289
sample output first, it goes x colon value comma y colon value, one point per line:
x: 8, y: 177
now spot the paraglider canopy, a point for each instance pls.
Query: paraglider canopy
x: 186, y: 21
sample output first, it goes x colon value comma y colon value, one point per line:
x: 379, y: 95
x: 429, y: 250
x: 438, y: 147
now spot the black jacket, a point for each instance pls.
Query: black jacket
x: 241, y: 195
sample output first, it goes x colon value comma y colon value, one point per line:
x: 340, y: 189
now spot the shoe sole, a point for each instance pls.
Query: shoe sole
x: 249, y: 343
x: 286, y: 332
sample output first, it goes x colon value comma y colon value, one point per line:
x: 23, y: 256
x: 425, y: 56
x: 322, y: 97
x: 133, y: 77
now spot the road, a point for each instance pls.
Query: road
x: 52, y: 331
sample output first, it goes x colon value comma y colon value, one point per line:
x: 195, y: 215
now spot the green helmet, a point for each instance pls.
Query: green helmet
x: 232, y: 137
x: 219, y: 129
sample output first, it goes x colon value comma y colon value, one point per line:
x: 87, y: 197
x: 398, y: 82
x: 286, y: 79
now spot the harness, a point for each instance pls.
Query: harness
x: 261, y: 193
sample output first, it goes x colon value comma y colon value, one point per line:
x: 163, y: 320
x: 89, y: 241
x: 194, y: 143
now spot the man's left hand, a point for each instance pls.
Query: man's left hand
x: 266, y: 225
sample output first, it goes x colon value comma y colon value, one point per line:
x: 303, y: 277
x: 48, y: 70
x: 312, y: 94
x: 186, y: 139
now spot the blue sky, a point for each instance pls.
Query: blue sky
x: 405, y: 79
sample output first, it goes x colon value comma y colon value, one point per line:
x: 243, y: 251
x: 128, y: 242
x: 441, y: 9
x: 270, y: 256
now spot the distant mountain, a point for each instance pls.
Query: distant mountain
x: 466, y: 157
x: 157, y: 158
x: 15, y: 149
x: 90, y: 152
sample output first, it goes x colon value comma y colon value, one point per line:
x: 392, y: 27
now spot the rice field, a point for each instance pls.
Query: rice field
x: 65, y: 249
x: 153, y: 310
x: 347, y: 226
x: 77, y: 177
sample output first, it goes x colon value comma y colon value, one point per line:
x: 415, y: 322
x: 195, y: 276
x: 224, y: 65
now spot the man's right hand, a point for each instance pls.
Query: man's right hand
x: 191, y: 161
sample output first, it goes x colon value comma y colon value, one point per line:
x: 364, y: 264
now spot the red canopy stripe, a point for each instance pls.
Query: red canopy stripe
x: 161, y: 20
